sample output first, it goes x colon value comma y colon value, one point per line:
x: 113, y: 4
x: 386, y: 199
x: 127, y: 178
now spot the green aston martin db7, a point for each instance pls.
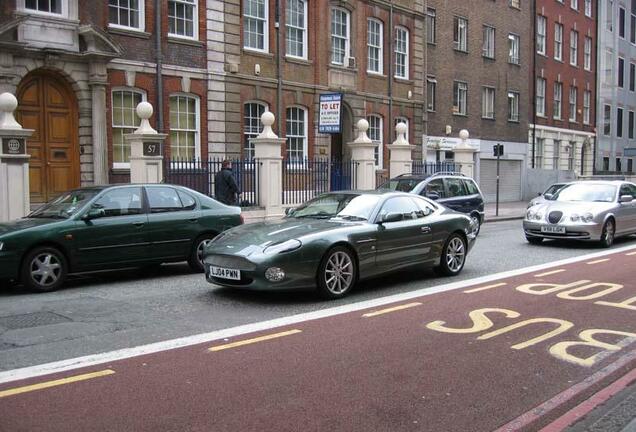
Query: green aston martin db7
x: 107, y: 227
x: 339, y: 238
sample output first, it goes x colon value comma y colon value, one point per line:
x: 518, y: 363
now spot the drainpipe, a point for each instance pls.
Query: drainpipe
x: 391, y: 60
x: 597, y: 85
x: 279, y: 75
x: 534, y: 82
x: 159, y: 55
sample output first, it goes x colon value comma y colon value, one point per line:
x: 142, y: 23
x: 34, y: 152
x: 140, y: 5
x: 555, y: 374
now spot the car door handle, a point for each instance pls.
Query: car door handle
x: 139, y: 224
x: 193, y: 219
x: 425, y: 229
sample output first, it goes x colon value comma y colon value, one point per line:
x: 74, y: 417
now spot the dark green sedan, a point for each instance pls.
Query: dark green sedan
x: 108, y: 227
x: 338, y: 239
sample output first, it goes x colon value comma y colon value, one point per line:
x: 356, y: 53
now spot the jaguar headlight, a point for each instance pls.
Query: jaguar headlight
x: 286, y: 246
x: 538, y: 216
x: 574, y: 217
x: 587, y: 217
x: 530, y: 215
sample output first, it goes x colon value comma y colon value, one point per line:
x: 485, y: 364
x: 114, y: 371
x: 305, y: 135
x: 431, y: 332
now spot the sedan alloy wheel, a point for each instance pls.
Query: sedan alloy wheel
x: 200, y: 244
x: 609, y: 230
x: 44, y: 269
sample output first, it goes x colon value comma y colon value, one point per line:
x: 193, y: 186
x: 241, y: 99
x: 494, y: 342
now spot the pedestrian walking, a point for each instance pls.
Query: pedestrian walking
x: 225, y: 188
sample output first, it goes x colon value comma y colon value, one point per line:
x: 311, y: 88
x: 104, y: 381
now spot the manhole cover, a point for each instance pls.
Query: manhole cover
x: 35, y: 319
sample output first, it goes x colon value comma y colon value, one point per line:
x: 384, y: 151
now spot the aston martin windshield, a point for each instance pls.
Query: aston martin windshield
x: 345, y: 206
x: 587, y: 192
x: 65, y: 205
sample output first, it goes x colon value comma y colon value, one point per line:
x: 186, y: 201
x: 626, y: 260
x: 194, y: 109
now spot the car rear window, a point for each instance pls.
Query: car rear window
x: 455, y: 187
x: 471, y: 186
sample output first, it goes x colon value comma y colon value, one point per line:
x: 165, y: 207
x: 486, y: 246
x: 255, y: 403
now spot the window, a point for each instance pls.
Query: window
x: 588, y: 8
x: 126, y: 13
x: 609, y: 67
x: 557, y: 154
x: 619, y: 122
x: 630, y: 168
x: 401, y: 53
x: 430, y: 25
x: 513, y: 49
x: 183, y: 20
x: 402, y: 205
x: 431, y: 87
x: 587, y: 54
x: 125, y: 121
x: 48, y: 6
x: 558, y: 41
x: 435, y: 187
x: 488, y: 48
x: 252, y: 126
x: 558, y: 97
x: 460, y: 34
x: 455, y: 187
x: 401, y: 120
x: 189, y: 203
x: 630, y: 125
x: 618, y: 165
x: 296, y: 26
x: 460, y: 97
x: 488, y: 102
x: 540, y: 98
x: 574, y: 4
x: 605, y: 163
x: 120, y: 202
x: 609, y: 15
x: 162, y: 199
x: 573, y: 94
x: 587, y: 101
x: 621, y: 72
x: 184, y: 127
x: 607, y: 120
x: 339, y: 36
x: 374, y: 45
x: 255, y: 25
x: 632, y: 29
x: 514, y: 3
x: 632, y: 77
x: 375, y: 134
x: 574, y: 47
x: 538, y: 153
x: 571, y: 155
x: 296, y: 134
x: 621, y: 22
x: 513, y: 106
x: 541, y: 32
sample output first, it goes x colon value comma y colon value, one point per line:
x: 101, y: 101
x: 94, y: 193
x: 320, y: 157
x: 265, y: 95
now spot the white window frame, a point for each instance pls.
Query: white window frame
x: 574, y: 4
x: 514, y: 4
x: 141, y: 19
x: 431, y: 82
x: 587, y: 101
x: 574, y: 47
x: 558, y: 41
x: 197, y: 122
x: 540, y: 97
x: 401, y: 119
x: 264, y: 20
x: 542, y: 25
x: 460, y: 88
x: 488, y: 46
x: 573, y: 101
x: 557, y: 105
x: 488, y: 98
x: 461, y: 43
x: 513, y: 106
x: 300, y: 29
x: 123, y: 165
x: 403, y: 53
x: 588, y: 8
x: 514, y: 45
x: 620, y: 72
x: 304, y: 137
x: 378, y: 151
x: 587, y: 54
x: 64, y: 9
x: 622, y: 29
x: 379, y: 49
x: 248, y: 152
x: 195, y: 19
x: 431, y: 25
x: 346, y: 37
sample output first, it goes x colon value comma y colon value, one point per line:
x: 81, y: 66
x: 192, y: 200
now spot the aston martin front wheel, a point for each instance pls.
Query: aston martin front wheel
x: 337, y: 273
x: 453, y: 256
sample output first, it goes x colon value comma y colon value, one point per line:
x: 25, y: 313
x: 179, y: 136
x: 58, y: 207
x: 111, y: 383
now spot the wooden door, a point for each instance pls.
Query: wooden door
x: 47, y: 105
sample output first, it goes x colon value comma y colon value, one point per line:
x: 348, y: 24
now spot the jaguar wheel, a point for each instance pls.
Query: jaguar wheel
x: 198, y: 248
x: 44, y: 269
x: 337, y: 273
x: 453, y: 256
x: 609, y: 231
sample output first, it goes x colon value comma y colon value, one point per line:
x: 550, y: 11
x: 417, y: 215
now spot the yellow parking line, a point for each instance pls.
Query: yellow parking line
x: 598, y: 261
x: 59, y: 382
x: 631, y: 253
x: 389, y: 310
x: 474, y: 290
x: 254, y: 340
x: 549, y: 273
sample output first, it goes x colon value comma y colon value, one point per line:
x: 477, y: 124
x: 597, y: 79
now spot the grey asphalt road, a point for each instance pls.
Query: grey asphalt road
x: 125, y: 309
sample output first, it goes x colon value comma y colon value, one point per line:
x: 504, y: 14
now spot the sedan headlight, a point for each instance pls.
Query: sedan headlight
x: 574, y: 217
x: 286, y: 246
x: 587, y: 217
x: 530, y: 215
x: 538, y: 216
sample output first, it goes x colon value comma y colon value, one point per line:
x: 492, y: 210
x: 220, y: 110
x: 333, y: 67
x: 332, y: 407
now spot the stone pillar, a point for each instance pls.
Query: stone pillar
x: 14, y: 162
x: 465, y: 155
x: 146, y: 149
x: 401, y: 162
x: 362, y: 153
x: 267, y: 152
x: 98, y: 82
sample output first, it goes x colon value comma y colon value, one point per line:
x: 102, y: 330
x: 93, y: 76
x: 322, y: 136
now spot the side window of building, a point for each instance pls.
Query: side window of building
x: 189, y: 203
x: 120, y: 202
x: 471, y: 187
x: 434, y: 187
x: 163, y: 199
x: 455, y: 187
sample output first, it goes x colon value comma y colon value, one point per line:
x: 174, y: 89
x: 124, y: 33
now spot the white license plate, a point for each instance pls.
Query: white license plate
x: 553, y: 229
x: 225, y: 273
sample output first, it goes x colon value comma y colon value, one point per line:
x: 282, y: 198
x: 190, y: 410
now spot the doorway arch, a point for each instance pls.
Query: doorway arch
x: 339, y: 150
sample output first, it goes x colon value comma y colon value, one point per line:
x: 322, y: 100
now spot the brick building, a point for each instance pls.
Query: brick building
x: 79, y: 68
x: 562, y: 130
x: 477, y: 62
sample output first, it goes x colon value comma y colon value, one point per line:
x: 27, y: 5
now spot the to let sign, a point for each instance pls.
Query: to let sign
x: 152, y: 148
x: 330, y: 109
x: 13, y: 146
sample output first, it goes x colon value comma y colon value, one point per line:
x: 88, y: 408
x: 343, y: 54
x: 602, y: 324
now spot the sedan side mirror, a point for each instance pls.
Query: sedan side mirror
x: 548, y: 196
x: 432, y: 195
x: 94, y: 213
x: 392, y: 217
x: 289, y: 211
x: 626, y: 198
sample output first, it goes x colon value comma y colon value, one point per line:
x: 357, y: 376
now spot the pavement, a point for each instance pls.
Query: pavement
x: 507, y: 211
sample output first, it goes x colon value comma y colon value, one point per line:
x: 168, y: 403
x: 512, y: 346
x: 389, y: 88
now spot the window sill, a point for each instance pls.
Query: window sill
x: 517, y: 64
x: 460, y: 51
x: 376, y: 74
x: 460, y: 115
x: 185, y: 41
x: 513, y: 121
x: 491, y: 59
x: 343, y: 68
x: 488, y: 118
x: 258, y: 53
x: 404, y: 80
x: 298, y: 61
x: 128, y: 32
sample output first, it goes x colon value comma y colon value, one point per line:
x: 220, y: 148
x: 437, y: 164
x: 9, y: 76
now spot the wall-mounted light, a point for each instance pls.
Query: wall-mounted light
x: 257, y: 69
x: 449, y: 130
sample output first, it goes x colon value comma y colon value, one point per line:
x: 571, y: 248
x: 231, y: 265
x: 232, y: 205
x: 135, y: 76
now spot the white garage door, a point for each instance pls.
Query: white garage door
x: 509, y: 180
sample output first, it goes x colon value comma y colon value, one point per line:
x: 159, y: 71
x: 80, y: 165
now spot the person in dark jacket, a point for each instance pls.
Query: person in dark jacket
x: 225, y: 188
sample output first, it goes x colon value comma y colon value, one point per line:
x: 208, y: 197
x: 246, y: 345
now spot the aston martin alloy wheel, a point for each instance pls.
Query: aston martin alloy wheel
x: 337, y: 273
x: 475, y: 224
x: 44, y: 269
x: 453, y: 256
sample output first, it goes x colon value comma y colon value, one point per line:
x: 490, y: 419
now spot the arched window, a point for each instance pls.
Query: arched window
x: 125, y: 120
x: 252, y: 112
x: 375, y: 134
x: 296, y: 133
x: 184, y: 127
x: 401, y: 52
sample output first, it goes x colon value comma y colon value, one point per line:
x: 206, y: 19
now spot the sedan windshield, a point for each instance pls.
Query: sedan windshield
x: 400, y: 185
x: 343, y: 206
x: 553, y: 189
x: 587, y: 192
x: 65, y: 205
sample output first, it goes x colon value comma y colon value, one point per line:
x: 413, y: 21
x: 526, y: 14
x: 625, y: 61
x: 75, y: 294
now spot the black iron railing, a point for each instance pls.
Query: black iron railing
x: 304, y: 179
x: 422, y: 168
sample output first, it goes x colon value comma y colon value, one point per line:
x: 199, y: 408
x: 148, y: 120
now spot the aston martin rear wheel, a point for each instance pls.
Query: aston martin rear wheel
x: 337, y: 273
x: 453, y: 256
x: 609, y: 231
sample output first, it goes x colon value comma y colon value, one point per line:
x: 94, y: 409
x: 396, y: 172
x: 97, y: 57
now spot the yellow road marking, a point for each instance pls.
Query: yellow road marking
x: 55, y: 383
x: 254, y: 340
x: 598, y: 261
x: 631, y: 253
x: 474, y: 290
x: 549, y: 273
x: 389, y: 310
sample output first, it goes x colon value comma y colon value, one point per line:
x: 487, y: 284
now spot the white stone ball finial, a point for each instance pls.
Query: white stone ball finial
x: 8, y: 104
x: 401, y: 129
x: 268, y: 119
x: 363, y: 127
x: 463, y: 135
x: 144, y: 111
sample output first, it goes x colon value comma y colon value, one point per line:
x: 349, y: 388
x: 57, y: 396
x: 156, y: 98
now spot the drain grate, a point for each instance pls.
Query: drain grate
x: 35, y: 319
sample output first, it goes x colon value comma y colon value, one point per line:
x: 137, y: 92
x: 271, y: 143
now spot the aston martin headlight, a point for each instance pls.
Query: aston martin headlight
x: 574, y: 217
x: 587, y: 217
x: 286, y: 246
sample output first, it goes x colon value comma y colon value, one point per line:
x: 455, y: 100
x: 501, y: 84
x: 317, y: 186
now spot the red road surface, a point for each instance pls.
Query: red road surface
x: 389, y: 372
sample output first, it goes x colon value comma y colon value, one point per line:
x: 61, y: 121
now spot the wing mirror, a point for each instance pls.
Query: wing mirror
x: 289, y: 211
x: 548, y: 196
x: 94, y: 213
x: 392, y: 217
x: 432, y: 195
x: 626, y: 199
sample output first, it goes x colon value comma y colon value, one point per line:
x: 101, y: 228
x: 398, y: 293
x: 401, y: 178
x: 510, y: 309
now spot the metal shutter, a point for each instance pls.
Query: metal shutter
x: 509, y: 180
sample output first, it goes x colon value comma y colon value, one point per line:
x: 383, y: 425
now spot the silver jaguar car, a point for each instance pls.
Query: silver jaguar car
x: 589, y: 210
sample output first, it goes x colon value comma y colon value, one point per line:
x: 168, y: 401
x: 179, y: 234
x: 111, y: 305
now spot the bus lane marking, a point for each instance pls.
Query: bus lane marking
x: 549, y: 273
x: 393, y: 309
x: 487, y: 287
x: 55, y: 383
x: 631, y: 254
x: 597, y: 261
x: 253, y: 340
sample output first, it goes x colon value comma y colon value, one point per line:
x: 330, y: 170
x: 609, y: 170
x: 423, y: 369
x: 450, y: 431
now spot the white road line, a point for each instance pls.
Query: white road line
x: 549, y: 273
x: 487, y: 287
x: 598, y: 261
x: 95, y: 359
